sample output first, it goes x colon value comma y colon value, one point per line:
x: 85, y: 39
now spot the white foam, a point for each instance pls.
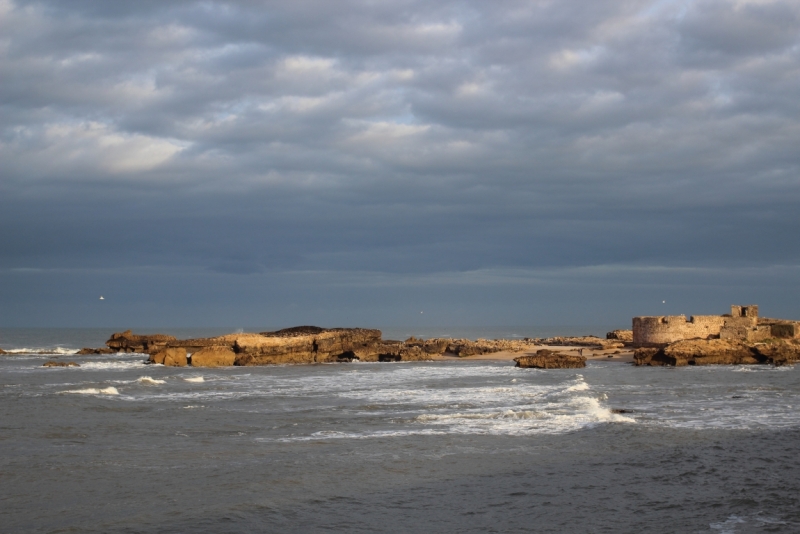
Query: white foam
x: 42, y: 351
x: 112, y: 366
x: 583, y: 386
x: 150, y: 381
x: 94, y: 391
x: 194, y: 379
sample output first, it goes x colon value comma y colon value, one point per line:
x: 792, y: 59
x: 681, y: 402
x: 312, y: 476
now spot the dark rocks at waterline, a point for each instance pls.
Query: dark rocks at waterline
x: 548, y: 359
x: 719, y: 352
x: 90, y: 351
x: 130, y: 342
x: 53, y: 363
x: 580, y: 341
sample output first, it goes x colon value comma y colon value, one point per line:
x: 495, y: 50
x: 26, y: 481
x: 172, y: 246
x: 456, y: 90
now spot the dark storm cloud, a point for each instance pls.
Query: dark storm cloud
x: 400, y: 139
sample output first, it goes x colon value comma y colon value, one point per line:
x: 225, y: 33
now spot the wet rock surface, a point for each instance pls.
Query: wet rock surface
x: 54, y: 363
x: 89, y: 351
x: 548, y: 359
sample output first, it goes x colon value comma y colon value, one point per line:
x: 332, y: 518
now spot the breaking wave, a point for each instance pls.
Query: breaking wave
x: 150, y: 381
x: 111, y: 390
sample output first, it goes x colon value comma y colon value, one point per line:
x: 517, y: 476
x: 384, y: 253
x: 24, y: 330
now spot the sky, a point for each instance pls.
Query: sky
x: 404, y: 162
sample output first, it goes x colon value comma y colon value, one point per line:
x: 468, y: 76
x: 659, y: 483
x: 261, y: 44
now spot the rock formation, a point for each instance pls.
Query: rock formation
x: 102, y: 350
x: 213, y: 356
x: 301, y: 345
x: 548, y: 359
x: 3, y: 352
x: 312, y: 344
x: 129, y: 342
x: 53, y: 363
x: 581, y: 341
x: 626, y: 336
x: 778, y: 352
x: 718, y: 352
x: 171, y: 357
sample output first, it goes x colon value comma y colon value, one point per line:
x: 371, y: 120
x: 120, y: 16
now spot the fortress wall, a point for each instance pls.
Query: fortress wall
x: 788, y: 330
x: 656, y: 331
x: 743, y: 327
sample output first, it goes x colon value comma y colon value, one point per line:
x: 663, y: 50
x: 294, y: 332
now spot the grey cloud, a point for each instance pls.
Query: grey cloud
x: 400, y: 138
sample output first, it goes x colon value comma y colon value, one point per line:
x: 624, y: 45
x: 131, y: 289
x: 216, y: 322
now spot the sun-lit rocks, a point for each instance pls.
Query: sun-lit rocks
x: 697, y: 352
x: 719, y: 352
x: 129, y: 342
x: 54, y: 363
x: 548, y: 359
x: 626, y: 336
x: 3, y: 352
x: 778, y: 352
x: 213, y: 356
x: 307, y: 345
x: 428, y: 346
x: 172, y: 357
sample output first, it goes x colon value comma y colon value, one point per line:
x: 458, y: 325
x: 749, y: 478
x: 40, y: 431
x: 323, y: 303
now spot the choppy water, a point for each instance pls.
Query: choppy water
x: 467, y: 446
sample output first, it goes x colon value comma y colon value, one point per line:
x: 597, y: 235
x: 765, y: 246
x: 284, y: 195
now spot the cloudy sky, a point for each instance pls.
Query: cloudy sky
x: 272, y: 163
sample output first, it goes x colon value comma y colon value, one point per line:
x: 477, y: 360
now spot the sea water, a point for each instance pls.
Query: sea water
x: 465, y: 446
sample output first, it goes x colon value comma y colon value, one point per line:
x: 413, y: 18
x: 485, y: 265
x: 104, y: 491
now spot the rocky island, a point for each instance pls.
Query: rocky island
x: 741, y: 337
x: 311, y: 344
x: 738, y: 338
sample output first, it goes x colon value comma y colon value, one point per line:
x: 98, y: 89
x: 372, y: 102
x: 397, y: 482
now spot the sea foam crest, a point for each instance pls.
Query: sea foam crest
x: 150, y: 381
x: 42, y: 351
x: 111, y: 390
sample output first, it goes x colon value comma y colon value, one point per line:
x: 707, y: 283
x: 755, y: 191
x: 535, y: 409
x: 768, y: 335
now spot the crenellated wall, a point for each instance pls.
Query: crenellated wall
x: 656, y: 331
x: 742, y: 324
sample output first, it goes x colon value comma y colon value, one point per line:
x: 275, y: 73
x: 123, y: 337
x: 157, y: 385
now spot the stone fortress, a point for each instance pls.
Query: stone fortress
x: 743, y: 324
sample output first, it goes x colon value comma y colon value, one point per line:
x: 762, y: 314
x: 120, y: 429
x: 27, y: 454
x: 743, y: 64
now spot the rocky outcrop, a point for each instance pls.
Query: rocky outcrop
x: 709, y: 352
x: 718, y: 352
x: 778, y: 352
x: 548, y: 359
x: 3, y: 352
x: 626, y: 336
x: 307, y: 345
x: 397, y: 351
x: 581, y: 341
x: 213, y: 356
x: 103, y: 350
x: 171, y: 357
x: 146, y: 344
x: 53, y: 363
x: 428, y: 346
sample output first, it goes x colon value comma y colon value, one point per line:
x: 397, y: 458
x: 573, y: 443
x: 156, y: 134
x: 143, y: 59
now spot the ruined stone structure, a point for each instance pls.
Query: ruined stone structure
x: 741, y: 324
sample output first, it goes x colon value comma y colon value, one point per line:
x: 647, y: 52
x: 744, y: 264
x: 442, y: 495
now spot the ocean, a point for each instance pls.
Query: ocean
x: 464, y: 446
